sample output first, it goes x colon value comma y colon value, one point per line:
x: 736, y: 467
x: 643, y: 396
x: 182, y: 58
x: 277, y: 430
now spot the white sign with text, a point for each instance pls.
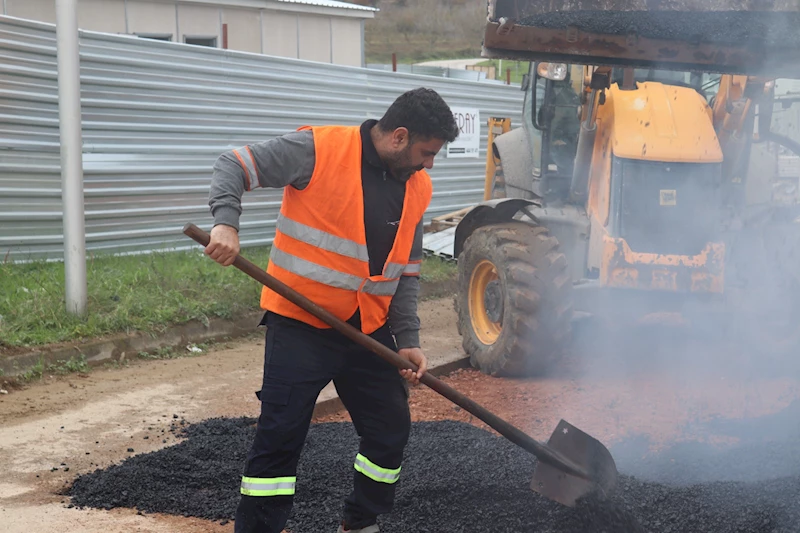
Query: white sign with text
x: 468, y: 143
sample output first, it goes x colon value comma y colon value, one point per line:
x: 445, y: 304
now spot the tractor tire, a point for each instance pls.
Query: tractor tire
x: 514, y: 300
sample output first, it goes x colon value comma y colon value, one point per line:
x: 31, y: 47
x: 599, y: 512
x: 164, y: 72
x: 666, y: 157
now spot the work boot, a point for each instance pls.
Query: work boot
x: 369, y: 529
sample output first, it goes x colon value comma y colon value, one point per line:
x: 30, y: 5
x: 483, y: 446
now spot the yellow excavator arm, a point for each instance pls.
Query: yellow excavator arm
x: 734, y: 116
x: 731, y: 107
x: 735, y: 99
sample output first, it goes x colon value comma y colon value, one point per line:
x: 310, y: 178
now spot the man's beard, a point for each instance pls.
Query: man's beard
x: 399, y: 165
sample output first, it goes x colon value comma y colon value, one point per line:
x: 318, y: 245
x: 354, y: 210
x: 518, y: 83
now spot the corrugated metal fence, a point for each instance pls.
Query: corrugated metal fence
x: 155, y: 118
x: 441, y: 72
x: 786, y: 121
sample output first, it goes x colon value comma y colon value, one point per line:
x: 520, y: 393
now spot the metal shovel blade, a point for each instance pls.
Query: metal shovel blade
x: 586, y: 452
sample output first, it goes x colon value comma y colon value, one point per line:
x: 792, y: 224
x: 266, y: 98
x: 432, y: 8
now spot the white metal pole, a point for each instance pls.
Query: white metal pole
x: 69, y: 112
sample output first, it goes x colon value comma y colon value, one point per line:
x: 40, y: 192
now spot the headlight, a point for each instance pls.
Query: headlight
x: 552, y: 71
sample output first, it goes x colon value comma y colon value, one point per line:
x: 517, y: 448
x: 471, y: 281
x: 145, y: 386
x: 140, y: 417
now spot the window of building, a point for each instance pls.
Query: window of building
x: 156, y: 36
x: 200, y: 41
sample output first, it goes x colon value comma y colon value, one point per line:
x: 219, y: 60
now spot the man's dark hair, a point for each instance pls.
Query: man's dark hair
x: 423, y: 113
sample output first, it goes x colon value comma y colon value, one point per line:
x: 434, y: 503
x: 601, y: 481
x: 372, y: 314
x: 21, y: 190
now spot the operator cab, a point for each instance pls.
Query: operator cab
x: 552, y: 113
x: 552, y: 117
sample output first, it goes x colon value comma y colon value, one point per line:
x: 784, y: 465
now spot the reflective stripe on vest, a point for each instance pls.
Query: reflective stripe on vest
x: 331, y: 277
x: 393, y: 270
x: 245, y: 157
x: 328, y: 276
x: 380, y: 288
x: 321, y: 239
x: 375, y: 472
x: 413, y: 268
x: 313, y: 271
x: 274, y: 486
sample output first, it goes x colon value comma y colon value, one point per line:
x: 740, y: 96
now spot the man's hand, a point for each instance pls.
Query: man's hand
x: 224, y: 245
x: 416, y: 356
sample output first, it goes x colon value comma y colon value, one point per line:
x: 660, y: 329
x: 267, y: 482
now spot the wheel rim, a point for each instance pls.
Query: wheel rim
x: 486, y: 303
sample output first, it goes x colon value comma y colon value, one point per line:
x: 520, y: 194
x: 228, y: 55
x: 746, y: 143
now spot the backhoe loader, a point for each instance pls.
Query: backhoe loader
x: 637, y: 182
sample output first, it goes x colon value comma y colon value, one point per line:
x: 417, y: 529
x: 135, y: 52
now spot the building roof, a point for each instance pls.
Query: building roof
x: 330, y: 3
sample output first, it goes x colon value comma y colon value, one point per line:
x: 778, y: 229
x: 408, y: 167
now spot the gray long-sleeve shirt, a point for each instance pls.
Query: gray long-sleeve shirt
x: 286, y: 161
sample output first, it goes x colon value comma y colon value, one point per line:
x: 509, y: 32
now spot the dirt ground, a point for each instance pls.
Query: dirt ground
x: 652, y: 384
x: 667, y: 399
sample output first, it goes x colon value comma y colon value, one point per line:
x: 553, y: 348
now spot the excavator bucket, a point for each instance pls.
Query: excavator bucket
x: 752, y: 37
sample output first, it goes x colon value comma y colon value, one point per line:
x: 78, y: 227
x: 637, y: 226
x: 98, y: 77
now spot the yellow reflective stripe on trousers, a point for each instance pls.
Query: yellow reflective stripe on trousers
x: 375, y: 472
x: 313, y: 271
x: 380, y: 288
x: 268, y: 486
x: 321, y: 239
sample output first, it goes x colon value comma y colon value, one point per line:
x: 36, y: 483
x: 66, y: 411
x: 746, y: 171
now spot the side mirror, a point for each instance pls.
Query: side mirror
x: 526, y: 80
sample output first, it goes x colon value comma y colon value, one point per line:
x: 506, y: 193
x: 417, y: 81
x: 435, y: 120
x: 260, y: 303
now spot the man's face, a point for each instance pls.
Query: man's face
x: 406, y: 158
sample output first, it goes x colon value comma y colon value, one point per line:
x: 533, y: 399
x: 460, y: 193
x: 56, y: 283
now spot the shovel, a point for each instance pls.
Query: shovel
x: 571, y: 465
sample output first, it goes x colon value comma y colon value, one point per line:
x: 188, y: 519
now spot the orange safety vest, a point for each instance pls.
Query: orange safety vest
x: 320, y: 246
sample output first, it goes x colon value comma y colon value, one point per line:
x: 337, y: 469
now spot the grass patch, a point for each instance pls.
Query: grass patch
x: 70, y: 366
x: 115, y: 364
x: 162, y: 353
x: 169, y: 352
x: 145, y: 293
x: 133, y: 293
x: 518, y: 68
x: 33, y: 373
x: 410, y: 54
x: 436, y: 270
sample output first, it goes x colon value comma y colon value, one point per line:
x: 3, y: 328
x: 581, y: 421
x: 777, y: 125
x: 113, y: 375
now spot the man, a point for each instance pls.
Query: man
x: 349, y: 238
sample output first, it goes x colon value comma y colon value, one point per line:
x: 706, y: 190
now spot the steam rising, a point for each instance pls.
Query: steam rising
x: 712, y: 386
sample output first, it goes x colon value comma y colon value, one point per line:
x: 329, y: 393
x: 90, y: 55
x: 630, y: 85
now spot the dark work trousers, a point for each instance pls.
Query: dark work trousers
x: 299, y: 360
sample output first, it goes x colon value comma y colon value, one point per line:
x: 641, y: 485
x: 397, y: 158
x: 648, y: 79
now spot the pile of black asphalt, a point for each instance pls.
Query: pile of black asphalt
x: 459, y: 478
x: 758, y: 28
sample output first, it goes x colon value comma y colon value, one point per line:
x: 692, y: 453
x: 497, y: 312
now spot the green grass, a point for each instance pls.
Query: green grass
x: 70, y: 366
x: 135, y: 293
x: 407, y: 56
x: 168, y: 352
x: 435, y: 270
x: 33, y: 373
x: 63, y: 367
x: 146, y: 293
x: 518, y: 68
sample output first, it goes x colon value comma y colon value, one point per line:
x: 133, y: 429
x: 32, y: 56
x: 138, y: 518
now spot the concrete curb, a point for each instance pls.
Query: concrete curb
x: 334, y: 405
x: 121, y: 347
